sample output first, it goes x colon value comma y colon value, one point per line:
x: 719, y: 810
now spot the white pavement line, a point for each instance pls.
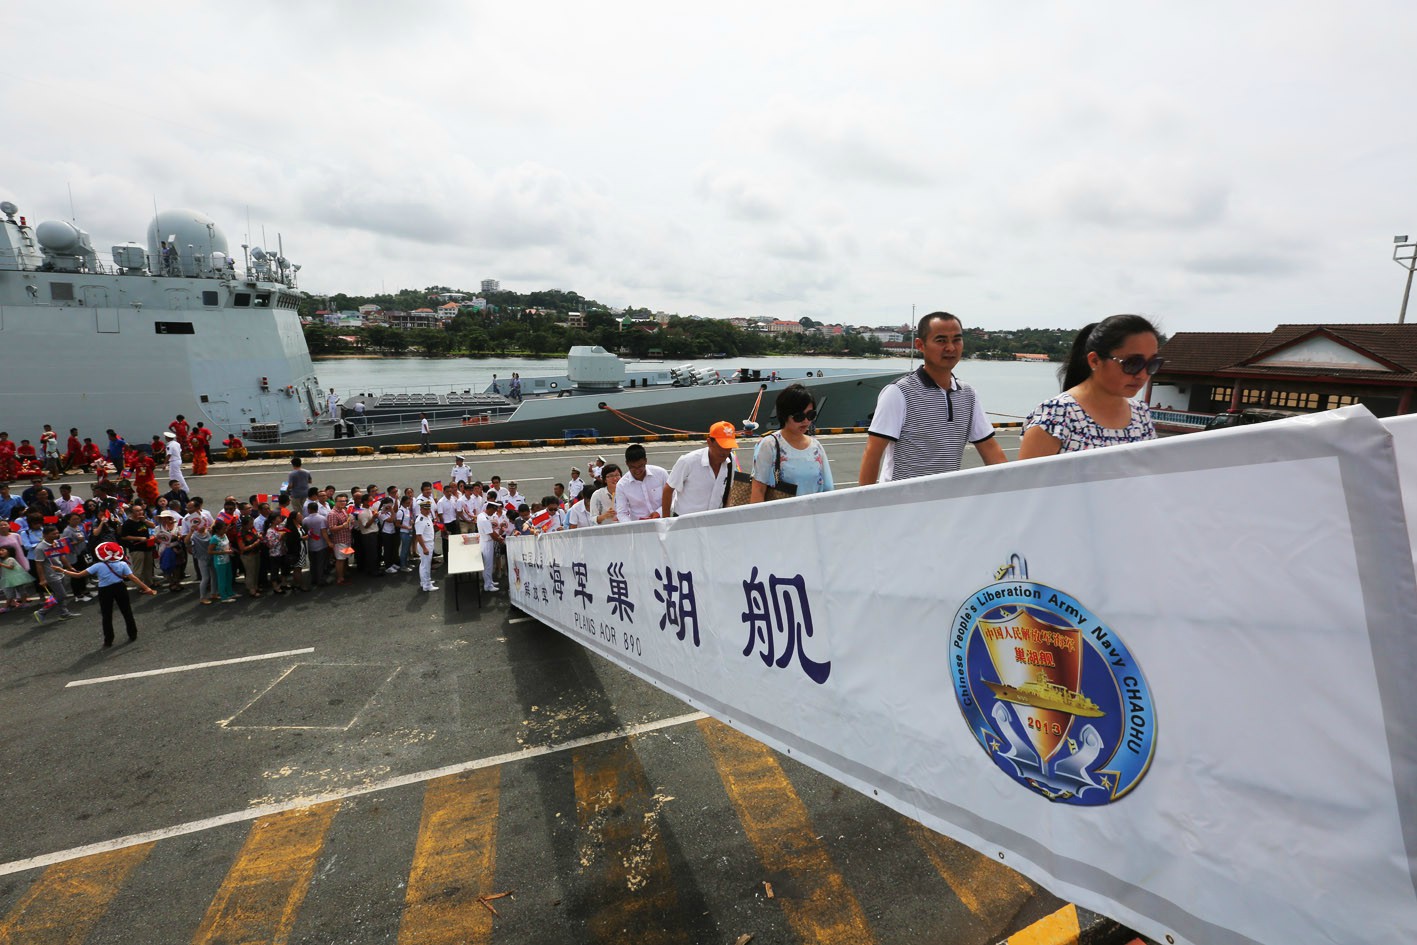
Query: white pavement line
x: 254, y: 813
x: 183, y: 669
x: 521, y: 619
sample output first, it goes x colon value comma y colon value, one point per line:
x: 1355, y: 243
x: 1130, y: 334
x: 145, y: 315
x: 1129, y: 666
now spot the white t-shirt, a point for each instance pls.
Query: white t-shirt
x: 423, y: 425
x: 461, y: 473
x: 575, y: 487
x: 579, y: 516
x: 697, y: 488
x: 447, y: 508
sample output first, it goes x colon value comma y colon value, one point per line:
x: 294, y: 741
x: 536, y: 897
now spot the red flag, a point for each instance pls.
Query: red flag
x: 51, y: 520
x: 263, y: 497
x: 541, y: 519
x: 438, y: 485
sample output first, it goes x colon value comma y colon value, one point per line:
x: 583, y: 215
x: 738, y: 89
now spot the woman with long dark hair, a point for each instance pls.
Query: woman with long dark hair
x: 1111, y: 361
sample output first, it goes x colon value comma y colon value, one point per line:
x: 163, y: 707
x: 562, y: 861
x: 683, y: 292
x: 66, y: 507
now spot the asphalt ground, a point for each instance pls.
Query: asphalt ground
x: 380, y: 765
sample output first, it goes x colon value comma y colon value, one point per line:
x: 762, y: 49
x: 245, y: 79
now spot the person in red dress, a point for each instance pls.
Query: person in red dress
x: 201, y: 439
x: 144, y: 482
x: 9, y: 468
x: 73, y: 450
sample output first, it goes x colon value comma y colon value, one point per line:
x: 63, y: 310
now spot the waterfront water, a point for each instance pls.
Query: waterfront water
x: 1008, y: 389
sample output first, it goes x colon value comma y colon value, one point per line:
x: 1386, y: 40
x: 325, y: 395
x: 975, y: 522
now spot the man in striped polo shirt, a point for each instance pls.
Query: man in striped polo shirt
x: 923, y: 421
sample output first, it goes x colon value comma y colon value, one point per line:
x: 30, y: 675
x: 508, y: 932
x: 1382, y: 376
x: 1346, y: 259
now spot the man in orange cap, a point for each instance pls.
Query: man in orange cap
x: 699, y: 479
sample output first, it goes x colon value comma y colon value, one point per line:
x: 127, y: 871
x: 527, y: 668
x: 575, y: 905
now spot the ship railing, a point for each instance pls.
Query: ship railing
x: 1183, y: 419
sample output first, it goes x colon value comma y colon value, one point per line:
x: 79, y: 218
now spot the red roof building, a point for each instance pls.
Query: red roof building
x: 1302, y: 368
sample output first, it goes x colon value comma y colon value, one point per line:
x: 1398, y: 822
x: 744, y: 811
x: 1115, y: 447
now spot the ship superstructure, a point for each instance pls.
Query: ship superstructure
x: 178, y: 326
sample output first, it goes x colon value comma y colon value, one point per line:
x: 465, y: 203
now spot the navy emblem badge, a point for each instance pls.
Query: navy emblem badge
x: 1050, y: 692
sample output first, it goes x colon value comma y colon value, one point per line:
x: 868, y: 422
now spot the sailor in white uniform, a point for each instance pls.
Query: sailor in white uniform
x: 174, y: 461
x: 485, y: 530
x: 423, y: 543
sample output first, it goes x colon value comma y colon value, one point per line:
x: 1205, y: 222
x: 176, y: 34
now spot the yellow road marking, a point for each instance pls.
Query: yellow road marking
x: 68, y: 899
x: 815, y: 899
x: 1060, y: 928
x: 986, y: 888
x: 622, y: 852
x: 454, y: 861
x: 262, y: 892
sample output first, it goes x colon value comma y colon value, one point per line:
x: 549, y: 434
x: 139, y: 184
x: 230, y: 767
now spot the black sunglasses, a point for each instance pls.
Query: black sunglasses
x: 809, y: 414
x: 1136, y: 363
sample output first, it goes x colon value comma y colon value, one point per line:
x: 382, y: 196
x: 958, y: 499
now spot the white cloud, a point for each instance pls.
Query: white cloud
x: 1218, y: 167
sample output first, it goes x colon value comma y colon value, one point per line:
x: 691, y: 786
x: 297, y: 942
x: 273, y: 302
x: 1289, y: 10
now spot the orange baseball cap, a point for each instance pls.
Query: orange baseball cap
x: 723, y: 434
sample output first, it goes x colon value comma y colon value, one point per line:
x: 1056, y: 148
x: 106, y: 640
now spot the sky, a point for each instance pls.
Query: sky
x: 1216, y: 166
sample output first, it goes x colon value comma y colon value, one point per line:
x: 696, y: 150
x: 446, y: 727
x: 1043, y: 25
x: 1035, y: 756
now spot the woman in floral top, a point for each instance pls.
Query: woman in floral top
x: 1111, y: 362
x: 792, y: 455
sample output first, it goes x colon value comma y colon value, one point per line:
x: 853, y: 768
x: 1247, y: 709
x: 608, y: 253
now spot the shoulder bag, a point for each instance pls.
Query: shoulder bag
x: 739, y: 487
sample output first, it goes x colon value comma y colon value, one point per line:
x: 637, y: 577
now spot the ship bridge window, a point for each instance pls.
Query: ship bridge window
x: 242, y: 300
x: 263, y: 300
x: 61, y: 291
x: 208, y: 297
x: 174, y: 328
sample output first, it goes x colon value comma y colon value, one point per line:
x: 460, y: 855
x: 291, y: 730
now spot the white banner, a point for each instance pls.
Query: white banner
x: 1173, y: 682
x: 1404, y: 442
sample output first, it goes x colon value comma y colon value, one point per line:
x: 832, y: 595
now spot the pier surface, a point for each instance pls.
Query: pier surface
x: 371, y: 764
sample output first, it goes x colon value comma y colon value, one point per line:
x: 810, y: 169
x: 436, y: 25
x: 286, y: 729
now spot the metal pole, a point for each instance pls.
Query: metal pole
x: 1409, y: 262
x: 1402, y: 315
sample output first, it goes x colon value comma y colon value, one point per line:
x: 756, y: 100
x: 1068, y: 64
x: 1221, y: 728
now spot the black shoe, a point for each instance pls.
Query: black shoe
x: 132, y: 637
x: 107, y: 644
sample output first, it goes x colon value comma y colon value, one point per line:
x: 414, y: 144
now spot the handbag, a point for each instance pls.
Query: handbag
x: 739, y: 487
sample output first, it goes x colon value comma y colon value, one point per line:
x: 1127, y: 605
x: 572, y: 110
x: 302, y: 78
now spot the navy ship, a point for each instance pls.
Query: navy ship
x: 182, y: 326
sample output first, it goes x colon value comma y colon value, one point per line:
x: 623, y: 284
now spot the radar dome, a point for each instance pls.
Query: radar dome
x: 192, y: 233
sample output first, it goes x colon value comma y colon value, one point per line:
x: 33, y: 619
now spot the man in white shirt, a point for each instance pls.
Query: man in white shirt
x: 579, y: 515
x: 699, y: 478
x: 575, y: 486
x: 423, y: 544
x: 462, y: 472
x: 66, y: 501
x: 174, y: 460
x: 512, y: 499
x: 596, y: 468
x: 487, y: 538
x: 334, y: 405
x: 447, y: 511
x: 640, y: 495
x: 423, y: 431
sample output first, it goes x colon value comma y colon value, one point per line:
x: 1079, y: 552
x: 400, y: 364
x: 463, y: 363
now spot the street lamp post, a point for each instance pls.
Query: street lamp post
x: 1405, y: 255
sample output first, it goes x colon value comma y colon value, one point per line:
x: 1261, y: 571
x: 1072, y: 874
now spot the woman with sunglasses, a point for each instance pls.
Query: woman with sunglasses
x: 792, y: 455
x: 1111, y: 361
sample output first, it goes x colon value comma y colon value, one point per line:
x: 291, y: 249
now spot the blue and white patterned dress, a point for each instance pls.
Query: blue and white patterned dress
x: 1064, y: 419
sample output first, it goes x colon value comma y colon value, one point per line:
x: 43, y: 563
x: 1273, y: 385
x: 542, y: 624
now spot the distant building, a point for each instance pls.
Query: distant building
x: 1030, y: 357
x: 447, y: 310
x: 451, y: 296
x: 575, y: 320
x: 491, y: 285
x: 1303, y: 368
x: 418, y: 318
x: 369, y: 308
x: 781, y: 327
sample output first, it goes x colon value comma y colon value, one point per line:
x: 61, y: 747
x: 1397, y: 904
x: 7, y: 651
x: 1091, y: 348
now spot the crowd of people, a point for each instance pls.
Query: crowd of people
x: 55, y: 551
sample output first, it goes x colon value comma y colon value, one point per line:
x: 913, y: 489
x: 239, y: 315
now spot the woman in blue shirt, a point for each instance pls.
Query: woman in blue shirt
x: 792, y: 455
x: 111, y: 571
